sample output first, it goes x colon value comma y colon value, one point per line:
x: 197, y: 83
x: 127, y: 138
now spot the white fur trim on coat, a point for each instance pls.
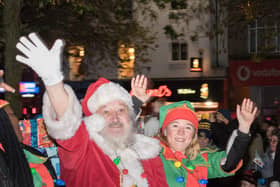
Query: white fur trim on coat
x: 65, y: 127
x: 106, y: 93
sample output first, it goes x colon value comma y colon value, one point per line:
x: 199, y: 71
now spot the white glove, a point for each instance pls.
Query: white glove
x: 46, y: 63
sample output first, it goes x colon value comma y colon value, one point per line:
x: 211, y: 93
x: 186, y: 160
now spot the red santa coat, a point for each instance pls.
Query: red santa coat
x: 85, y: 164
x: 87, y: 160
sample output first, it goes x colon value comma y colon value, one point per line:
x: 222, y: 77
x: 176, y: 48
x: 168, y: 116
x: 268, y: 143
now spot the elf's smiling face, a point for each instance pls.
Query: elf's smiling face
x: 179, y: 134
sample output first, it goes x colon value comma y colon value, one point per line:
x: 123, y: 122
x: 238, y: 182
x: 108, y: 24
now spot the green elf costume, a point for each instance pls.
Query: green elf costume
x: 182, y: 171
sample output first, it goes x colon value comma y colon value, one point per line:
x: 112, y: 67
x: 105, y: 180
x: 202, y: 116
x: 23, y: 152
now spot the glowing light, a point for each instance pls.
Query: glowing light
x: 131, y: 50
x: 209, y: 103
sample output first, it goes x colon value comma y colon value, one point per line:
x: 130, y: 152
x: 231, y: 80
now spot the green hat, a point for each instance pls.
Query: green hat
x: 178, y: 110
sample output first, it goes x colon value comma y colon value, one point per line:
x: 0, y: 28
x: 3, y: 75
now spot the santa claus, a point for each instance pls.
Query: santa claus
x: 97, y: 144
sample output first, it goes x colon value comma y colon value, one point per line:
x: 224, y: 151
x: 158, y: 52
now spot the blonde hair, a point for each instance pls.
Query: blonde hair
x: 191, y: 151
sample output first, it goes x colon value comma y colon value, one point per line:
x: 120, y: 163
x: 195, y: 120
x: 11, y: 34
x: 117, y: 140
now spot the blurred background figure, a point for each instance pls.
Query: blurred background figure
x: 268, y: 133
x: 276, y: 168
x: 249, y: 178
x: 205, y: 135
x: 151, y: 121
x: 14, y: 168
x: 222, y: 127
x: 265, y: 163
x: 6, y: 106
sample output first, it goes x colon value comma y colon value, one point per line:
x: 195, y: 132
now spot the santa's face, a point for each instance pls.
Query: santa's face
x: 117, y: 119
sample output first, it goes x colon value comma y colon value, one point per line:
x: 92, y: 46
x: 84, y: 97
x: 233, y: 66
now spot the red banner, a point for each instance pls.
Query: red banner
x: 248, y: 73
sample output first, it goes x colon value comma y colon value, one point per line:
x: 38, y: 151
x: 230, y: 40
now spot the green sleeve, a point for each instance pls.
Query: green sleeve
x: 215, y: 170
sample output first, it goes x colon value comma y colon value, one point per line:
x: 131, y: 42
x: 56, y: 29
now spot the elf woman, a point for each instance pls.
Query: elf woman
x: 184, y: 163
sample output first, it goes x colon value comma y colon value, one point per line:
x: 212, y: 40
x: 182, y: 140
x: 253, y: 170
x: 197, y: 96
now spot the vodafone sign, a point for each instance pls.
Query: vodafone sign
x: 248, y: 73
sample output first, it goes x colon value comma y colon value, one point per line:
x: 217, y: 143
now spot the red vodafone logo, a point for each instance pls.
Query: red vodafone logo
x: 243, y: 73
x: 248, y: 73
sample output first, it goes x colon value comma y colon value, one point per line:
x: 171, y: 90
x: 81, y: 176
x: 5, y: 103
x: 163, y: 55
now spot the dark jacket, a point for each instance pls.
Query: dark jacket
x: 5, y: 179
x: 221, y: 133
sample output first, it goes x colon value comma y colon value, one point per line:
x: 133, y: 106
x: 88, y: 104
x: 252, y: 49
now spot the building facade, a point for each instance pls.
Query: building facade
x: 254, y: 58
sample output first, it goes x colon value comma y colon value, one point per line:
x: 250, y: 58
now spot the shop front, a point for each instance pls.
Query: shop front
x: 206, y: 95
x: 259, y: 81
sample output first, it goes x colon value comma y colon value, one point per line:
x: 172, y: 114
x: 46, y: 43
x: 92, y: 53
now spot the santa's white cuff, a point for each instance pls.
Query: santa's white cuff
x: 66, y: 126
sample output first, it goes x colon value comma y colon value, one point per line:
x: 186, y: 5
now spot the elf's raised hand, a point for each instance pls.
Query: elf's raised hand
x: 45, y: 62
x: 246, y: 113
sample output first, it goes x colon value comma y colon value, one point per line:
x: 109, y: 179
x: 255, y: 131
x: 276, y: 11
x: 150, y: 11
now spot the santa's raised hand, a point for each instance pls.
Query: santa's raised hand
x: 45, y: 62
x: 139, y: 87
x: 246, y: 114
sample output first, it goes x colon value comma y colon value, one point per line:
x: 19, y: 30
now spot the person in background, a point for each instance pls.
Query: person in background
x: 249, y: 178
x: 17, y: 159
x: 222, y: 128
x: 276, y: 168
x: 205, y: 135
x: 270, y: 128
x: 151, y: 122
x: 14, y: 169
x: 6, y: 106
x: 184, y: 163
x: 265, y: 163
x: 97, y: 142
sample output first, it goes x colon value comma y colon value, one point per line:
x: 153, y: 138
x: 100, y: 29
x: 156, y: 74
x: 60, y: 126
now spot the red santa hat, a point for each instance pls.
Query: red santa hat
x: 102, y: 92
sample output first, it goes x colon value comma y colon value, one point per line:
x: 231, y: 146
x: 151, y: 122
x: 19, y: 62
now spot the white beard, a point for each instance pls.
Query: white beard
x: 119, y: 142
x: 131, y: 149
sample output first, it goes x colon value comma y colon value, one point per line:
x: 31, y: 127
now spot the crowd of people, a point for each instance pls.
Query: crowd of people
x: 99, y: 145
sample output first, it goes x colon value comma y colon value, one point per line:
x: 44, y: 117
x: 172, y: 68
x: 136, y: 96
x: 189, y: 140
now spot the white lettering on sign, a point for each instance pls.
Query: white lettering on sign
x: 185, y: 91
x: 267, y: 73
x: 244, y: 73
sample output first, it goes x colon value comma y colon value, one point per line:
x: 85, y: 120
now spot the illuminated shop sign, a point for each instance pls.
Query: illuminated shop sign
x: 160, y: 92
x: 174, y: 89
x: 185, y: 91
x: 204, y: 91
x: 196, y: 64
x: 28, y: 87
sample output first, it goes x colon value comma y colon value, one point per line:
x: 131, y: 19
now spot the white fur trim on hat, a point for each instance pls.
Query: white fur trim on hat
x: 66, y: 126
x: 106, y: 93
